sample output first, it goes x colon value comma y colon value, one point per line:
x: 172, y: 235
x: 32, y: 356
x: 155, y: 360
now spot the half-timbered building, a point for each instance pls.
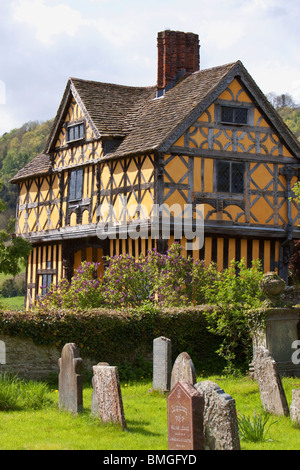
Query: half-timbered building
x: 198, y: 137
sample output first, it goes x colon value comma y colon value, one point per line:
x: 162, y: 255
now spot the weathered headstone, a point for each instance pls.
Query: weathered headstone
x: 295, y: 406
x: 162, y: 365
x: 69, y: 379
x: 270, y: 386
x: 185, y: 406
x: 94, y: 404
x: 183, y: 370
x: 108, y: 394
x: 221, y: 431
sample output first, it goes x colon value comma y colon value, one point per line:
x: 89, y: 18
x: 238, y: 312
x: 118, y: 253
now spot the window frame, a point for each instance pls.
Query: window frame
x: 45, y: 285
x: 73, y: 125
x: 76, y: 195
x: 234, y: 104
x: 234, y: 110
x: 230, y: 163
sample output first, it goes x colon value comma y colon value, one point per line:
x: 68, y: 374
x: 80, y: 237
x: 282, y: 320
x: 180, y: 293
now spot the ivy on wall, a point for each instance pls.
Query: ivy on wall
x: 120, y: 337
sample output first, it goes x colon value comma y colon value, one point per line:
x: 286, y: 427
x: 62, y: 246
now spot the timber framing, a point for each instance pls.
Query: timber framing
x: 166, y: 151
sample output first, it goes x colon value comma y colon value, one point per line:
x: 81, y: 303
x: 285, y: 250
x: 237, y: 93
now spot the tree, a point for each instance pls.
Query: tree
x: 14, y: 251
x: 281, y: 101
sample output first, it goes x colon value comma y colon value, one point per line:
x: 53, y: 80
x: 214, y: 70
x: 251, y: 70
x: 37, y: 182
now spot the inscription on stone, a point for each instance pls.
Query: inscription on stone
x: 185, y: 407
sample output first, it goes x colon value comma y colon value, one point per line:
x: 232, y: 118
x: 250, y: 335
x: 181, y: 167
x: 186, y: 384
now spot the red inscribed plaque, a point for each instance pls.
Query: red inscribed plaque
x: 185, y: 418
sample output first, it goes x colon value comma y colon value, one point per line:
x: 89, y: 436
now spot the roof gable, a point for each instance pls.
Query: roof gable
x: 164, y: 120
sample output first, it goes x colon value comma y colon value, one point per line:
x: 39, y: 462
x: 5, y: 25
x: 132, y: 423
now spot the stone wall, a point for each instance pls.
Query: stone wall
x: 27, y: 360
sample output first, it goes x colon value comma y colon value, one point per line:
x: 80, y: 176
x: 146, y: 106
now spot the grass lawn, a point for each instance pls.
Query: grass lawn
x: 12, y: 303
x: 146, y: 417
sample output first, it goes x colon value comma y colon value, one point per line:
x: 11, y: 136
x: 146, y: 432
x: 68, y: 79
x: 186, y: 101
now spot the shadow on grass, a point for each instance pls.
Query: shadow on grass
x: 137, y: 427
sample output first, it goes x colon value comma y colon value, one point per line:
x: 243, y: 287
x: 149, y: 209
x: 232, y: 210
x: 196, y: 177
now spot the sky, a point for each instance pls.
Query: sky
x: 44, y: 42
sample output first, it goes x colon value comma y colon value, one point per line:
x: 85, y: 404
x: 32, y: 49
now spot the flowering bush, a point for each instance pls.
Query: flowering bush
x: 169, y: 276
x: 84, y: 291
x: 170, y: 280
x: 125, y: 282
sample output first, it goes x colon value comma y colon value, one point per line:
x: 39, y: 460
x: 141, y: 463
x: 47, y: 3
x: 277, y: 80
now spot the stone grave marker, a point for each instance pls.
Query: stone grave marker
x: 108, y: 394
x: 295, y: 406
x: 162, y: 363
x: 183, y: 370
x: 270, y: 386
x: 94, y: 404
x: 221, y: 431
x: 185, y: 406
x: 69, y: 379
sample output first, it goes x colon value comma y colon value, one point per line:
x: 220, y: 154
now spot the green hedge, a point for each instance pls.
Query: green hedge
x: 119, y: 337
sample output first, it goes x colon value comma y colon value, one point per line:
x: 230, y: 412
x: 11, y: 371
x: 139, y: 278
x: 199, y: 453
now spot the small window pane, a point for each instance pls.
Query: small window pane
x: 227, y: 114
x: 241, y: 116
x: 76, y: 132
x: 73, y: 185
x: 223, y: 177
x: 237, y: 178
x: 79, y: 179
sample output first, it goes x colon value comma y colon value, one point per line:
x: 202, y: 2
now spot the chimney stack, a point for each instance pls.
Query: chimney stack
x: 178, y: 55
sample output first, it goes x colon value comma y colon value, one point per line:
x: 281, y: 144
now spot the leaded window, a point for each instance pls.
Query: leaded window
x: 75, y: 132
x: 234, y: 115
x: 230, y: 177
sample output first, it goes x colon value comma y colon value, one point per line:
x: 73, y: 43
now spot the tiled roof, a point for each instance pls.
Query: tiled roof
x: 159, y: 117
x: 39, y: 165
x: 112, y: 108
x: 144, y: 123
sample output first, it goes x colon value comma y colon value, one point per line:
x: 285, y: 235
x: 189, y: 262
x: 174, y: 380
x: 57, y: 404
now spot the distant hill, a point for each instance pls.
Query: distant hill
x: 19, y: 146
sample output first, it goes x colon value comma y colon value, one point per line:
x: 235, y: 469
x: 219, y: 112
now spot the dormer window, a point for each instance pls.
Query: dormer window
x: 76, y: 132
x: 234, y: 114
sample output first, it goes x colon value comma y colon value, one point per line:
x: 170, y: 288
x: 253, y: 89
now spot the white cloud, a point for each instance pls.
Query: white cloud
x: 47, y: 21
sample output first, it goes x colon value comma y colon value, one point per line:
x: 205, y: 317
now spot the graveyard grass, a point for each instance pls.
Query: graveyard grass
x: 146, y: 417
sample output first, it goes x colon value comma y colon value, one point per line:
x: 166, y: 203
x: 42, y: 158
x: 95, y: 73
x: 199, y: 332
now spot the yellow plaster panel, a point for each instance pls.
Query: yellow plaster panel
x: 197, y: 174
x: 208, y: 175
x: 234, y: 213
x: 262, y: 210
x: 176, y: 169
x: 147, y: 169
x: 261, y: 176
x: 73, y: 219
x: 175, y: 198
x: 118, y: 175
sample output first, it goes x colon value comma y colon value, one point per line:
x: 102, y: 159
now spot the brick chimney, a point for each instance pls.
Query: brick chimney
x: 178, y: 55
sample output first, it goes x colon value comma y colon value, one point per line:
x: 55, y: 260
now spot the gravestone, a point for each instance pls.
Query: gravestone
x: 2, y: 353
x: 69, y: 379
x: 221, y: 431
x: 185, y: 407
x: 108, y: 394
x: 295, y: 406
x: 183, y: 370
x: 270, y: 386
x: 94, y: 404
x: 162, y: 365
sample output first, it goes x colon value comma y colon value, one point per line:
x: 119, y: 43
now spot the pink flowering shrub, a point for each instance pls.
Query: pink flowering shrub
x: 84, y: 291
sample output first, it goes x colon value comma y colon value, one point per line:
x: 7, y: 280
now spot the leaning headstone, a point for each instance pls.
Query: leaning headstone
x: 108, y: 394
x: 295, y: 406
x: 270, y: 386
x: 162, y: 365
x: 185, y: 407
x: 69, y: 379
x: 94, y: 405
x: 183, y: 370
x: 221, y: 430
